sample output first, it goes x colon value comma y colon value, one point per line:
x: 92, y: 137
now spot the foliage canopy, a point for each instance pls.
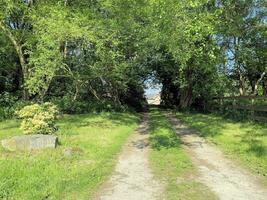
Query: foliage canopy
x: 105, y: 50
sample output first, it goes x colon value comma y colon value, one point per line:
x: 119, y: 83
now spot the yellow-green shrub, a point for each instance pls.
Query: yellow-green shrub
x: 38, y: 118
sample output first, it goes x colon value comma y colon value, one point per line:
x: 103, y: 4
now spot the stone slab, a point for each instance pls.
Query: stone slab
x: 30, y: 142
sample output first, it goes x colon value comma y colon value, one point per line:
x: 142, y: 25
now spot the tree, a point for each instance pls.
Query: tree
x: 241, y: 28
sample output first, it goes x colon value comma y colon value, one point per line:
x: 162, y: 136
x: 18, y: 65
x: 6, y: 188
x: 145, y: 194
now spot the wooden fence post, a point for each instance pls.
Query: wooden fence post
x: 221, y: 105
x: 234, y: 103
x: 252, y: 109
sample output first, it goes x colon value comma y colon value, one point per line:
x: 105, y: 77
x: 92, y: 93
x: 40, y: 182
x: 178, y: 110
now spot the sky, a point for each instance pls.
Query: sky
x: 152, y: 88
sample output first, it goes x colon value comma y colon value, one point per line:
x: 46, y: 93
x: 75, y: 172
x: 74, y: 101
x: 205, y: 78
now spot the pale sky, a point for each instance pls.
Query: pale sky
x: 152, y: 89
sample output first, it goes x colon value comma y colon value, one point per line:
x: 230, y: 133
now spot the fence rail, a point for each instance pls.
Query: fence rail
x: 243, y: 97
x: 256, y: 106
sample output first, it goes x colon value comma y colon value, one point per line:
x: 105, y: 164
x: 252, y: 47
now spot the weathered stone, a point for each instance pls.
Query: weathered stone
x: 30, y: 142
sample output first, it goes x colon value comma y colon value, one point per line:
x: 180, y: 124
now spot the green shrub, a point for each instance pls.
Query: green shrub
x: 38, y: 118
x: 9, y: 104
x: 67, y: 105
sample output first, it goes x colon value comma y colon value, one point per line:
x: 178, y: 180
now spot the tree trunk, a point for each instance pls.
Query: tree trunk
x: 242, y: 89
x: 22, y: 60
x: 255, y: 90
x: 186, y: 97
x: 264, y: 87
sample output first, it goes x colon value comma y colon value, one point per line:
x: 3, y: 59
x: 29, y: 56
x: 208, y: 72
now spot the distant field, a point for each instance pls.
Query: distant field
x: 49, y: 174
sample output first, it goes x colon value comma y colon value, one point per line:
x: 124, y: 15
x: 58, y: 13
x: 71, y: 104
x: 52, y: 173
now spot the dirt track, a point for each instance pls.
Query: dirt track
x: 221, y: 175
x: 132, y: 178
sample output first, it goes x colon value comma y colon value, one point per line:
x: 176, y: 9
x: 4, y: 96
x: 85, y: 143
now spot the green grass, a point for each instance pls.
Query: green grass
x: 245, y: 142
x: 171, y: 164
x: 48, y: 174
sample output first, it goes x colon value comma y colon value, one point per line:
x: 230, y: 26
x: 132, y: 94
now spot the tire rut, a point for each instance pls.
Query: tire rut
x: 132, y: 178
x: 227, y: 180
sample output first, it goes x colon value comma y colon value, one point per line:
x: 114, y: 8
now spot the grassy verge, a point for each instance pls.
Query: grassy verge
x: 48, y: 174
x: 243, y: 141
x: 171, y: 164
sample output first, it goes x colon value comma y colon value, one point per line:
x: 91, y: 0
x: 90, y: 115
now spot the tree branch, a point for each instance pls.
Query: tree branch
x: 16, y: 45
x: 258, y: 82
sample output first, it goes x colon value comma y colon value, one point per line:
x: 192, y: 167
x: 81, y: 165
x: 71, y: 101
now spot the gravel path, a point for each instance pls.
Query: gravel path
x: 221, y: 175
x: 132, y: 178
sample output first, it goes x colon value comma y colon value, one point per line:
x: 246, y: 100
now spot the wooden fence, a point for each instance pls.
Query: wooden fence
x: 254, y: 106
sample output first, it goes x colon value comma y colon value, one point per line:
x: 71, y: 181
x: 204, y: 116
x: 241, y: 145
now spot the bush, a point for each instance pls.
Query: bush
x: 67, y: 105
x: 38, y: 118
x: 9, y: 104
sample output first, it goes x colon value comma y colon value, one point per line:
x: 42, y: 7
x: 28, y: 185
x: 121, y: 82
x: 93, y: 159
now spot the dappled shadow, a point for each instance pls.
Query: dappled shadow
x: 194, y: 144
x: 255, y: 143
x: 250, y: 135
x: 255, y: 134
x: 208, y: 125
x: 140, y: 144
x: 183, y: 130
x: 142, y: 130
x: 186, y: 131
x: 257, y: 148
x: 10, y: 127
x: 124, y: 118
x: 98, y: 119
x: 10, y: 124
x: 96, y: 124
x: 75, y: 119
x: 163, y: 141
x: 162, y: 133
